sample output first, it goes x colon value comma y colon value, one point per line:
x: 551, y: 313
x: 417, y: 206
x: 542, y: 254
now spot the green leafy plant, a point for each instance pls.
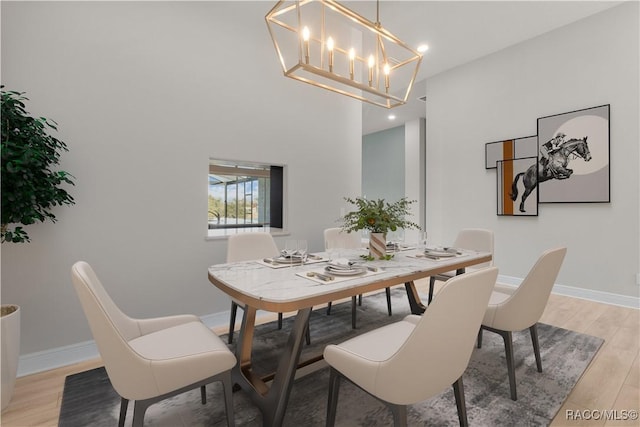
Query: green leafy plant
x: 378, y: 216
x: 30, y: 188
x: 370, y: 257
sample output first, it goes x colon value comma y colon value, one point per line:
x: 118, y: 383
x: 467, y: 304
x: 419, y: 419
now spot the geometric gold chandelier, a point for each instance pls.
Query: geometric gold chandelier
x: 323, y: 43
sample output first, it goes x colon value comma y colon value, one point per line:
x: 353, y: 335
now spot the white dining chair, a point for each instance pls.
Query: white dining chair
x: 247, y: 247
x: 412, y: 360
x: 148, y: 360
x: 515, y: 309
x: 476, y: 239
x: 337, y: 238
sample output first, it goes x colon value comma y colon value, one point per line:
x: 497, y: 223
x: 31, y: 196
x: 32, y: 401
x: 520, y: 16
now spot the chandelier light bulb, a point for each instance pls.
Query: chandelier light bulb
x: 305, y: 37
x: 387, y: 70
x: 352, y: 57
x: 330, y: 49
x: 372, y: 62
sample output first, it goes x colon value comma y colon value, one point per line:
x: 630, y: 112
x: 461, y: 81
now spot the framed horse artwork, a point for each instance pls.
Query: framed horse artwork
x: 514, y: 197
x: 573, y: 161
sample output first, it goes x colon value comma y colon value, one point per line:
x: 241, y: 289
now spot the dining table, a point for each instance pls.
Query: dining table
x: 277, y: 287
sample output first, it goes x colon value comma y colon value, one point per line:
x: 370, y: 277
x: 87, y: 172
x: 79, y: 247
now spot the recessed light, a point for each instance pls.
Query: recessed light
x: 392, y: 117
x: 423, y: 48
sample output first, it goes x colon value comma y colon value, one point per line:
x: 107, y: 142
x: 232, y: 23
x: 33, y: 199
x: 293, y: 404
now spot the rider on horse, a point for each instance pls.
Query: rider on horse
x: 548, y: 148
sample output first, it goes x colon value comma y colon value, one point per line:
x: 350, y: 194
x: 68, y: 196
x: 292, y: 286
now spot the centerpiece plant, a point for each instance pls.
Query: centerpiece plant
x: 378, y: 217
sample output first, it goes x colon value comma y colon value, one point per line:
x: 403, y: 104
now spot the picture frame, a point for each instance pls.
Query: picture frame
x: 511, y: 184
x: 578, y: 169
x: 514, y: 148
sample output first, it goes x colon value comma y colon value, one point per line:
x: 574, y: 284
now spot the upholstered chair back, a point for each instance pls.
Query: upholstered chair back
x: 525, y: 305
x: 439, y: 348
x: 336, y: 238
x: 112, y: 329
x: 476, y: 239
x: 250, y: 246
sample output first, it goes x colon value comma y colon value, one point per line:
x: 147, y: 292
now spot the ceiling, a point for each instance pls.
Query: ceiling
x: 458, y: 32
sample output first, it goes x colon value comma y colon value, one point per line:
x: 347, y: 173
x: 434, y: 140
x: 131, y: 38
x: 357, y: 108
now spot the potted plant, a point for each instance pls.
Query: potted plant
x: 30, y: 190
x: 379, y: 217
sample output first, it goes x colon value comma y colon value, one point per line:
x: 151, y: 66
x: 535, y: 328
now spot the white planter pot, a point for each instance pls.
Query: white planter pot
x: 10, y: 334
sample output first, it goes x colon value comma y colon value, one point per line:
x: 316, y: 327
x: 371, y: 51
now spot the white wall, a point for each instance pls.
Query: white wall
x: 383, y: 164
x: 414, y: 161
x: 144, y: 93
x: 585, y: 64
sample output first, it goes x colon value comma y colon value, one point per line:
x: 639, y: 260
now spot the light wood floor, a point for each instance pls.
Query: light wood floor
x: 612, y: 381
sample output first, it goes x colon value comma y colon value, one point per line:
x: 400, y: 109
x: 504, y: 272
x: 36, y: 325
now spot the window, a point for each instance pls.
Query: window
x: 244, y: 195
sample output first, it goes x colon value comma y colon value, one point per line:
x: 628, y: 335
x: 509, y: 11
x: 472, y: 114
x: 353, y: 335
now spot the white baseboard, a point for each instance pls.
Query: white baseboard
x: 62, y: 356
x: 588, y: 294
x: 33, y: 363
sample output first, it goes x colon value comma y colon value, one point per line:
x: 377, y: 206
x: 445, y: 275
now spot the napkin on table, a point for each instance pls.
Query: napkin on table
x: 341, y: 264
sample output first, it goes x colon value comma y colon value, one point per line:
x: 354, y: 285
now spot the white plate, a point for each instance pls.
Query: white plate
x: 345, y: 272
x: 283, y: 260
x: 441, y: 254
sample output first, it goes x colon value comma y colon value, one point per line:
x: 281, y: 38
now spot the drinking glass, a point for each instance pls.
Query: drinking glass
x: 290, y: 250
x: 290, y: 247
x: 422, y: 243
x: 302, y: 250
x: 396, y: 239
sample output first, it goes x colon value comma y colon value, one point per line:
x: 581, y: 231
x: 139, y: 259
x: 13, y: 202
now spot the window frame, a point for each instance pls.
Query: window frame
x: 276, y: 198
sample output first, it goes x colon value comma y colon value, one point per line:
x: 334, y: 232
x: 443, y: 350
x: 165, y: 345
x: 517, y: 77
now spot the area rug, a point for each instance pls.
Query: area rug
x: 89, y: 399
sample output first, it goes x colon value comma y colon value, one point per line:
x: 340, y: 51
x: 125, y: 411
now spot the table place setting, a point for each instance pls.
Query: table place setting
x: 291, y: 261
x: 340, y: 269
x: 294, y: 254
x: 438, y: 253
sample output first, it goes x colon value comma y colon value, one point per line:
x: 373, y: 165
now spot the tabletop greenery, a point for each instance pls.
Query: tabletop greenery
x: 378, y: 216
x: 30, y: 189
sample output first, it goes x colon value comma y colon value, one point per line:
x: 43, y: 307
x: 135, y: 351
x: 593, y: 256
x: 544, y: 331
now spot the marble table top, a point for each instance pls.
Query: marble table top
x: 253, y: 282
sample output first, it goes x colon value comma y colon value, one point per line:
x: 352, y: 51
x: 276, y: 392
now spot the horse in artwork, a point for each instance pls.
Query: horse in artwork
x: 553, y: 168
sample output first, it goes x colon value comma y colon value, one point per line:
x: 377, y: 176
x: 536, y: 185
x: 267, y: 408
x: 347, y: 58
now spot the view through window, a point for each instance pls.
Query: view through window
x: 244, y: 195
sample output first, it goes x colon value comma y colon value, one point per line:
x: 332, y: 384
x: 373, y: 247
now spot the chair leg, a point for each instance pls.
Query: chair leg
x: 139, y: 409
x: 353, y: 312
x: 279, y: 320
x: 332, y: 402
x: 432, y: 283
x: 308, y: 332
x: 536, y: 345
x: 360, y: 299
x: 508, y: 348
x: 227, y: 388
x: 203, y: 394
x: 232, y: 321
x: 141, y: 406
x: 388, y: 292
x: 399, y: 415
x: 329, y: 308
x: 480, y: 338
x: 458, y: 392
x: 124, y: 403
